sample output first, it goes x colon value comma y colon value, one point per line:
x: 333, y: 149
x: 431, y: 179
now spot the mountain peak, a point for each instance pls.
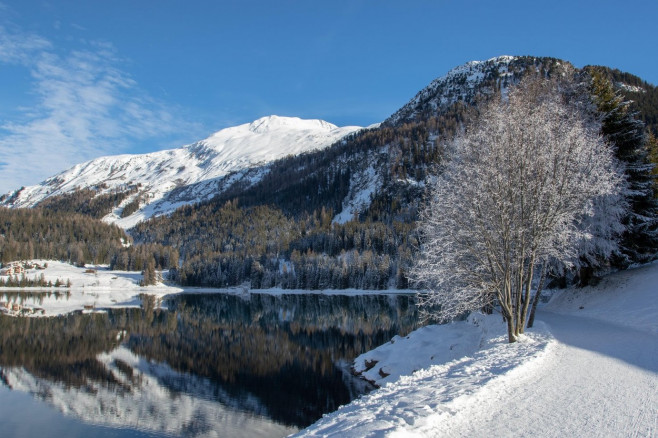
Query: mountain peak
x: 467, y: 81
x: 274, y: 122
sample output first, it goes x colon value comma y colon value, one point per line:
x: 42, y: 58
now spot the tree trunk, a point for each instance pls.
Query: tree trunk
x: 510, y: 329
x: 526, y: 294
x: 586, y: 274
x: 535, y: 300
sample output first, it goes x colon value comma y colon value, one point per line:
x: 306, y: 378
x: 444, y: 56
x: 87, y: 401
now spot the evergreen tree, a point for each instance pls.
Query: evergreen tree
x: 652, y: 143
x: 150, y: 277
x: 639, y: 243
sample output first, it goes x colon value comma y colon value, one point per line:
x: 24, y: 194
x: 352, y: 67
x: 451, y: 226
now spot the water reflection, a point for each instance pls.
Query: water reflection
x: 23, y: 303
x: 208, y: 365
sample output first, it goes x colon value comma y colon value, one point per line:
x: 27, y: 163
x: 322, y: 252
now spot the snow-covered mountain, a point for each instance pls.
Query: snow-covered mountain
x: 388, y: 160
x: 466, y: 82
x: 157, y: 174
x: 163, y: 181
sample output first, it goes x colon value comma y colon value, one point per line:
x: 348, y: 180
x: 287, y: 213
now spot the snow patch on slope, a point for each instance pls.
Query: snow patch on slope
x: 627, y: 298
x: 403, y: 356
x: 630, y: 88
x: 363, y: 185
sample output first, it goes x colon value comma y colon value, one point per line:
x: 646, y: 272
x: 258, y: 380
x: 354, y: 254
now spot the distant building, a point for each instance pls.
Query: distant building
x: 13, y: 269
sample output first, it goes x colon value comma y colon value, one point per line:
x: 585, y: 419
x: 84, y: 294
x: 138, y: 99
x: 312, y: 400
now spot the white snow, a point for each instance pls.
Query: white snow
x: 631, y: 88
x: 629, y: 291
x: 94, y: 286
x: 589, y: 372
x: 223, y: 153
x: 406, y: 355
x: 363, y: 185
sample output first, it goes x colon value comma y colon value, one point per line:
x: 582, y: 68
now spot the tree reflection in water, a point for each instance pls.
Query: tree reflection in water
x: 281, y: 356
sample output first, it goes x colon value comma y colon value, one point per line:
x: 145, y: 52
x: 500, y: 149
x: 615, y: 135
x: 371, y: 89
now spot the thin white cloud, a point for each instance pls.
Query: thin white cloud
x: 87, y: 106
x: 17, y: 47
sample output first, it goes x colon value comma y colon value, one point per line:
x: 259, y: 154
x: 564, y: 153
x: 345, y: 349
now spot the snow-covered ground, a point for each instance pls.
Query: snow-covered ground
x: 92, y: 286
x: 588, y: 368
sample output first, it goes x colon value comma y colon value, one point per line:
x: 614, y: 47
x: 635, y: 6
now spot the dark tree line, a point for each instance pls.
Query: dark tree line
x: 264, y: 247
x: 45, y: 234
x: 138, y: 257
x: 642, y: 97
x: 38, y: 281
x: 131, y: 207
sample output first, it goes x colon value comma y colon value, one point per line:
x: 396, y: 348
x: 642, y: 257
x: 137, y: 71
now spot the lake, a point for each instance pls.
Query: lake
x: 202, y: 365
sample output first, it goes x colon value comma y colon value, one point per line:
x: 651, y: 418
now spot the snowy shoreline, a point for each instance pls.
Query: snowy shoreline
x: 589, y: 367
x: 96, y: 287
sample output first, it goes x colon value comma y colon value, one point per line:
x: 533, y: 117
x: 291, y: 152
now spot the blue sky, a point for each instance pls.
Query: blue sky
x: 86, y: 78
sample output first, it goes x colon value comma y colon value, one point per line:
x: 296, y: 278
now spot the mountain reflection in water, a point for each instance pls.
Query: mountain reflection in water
x: 208, y: 365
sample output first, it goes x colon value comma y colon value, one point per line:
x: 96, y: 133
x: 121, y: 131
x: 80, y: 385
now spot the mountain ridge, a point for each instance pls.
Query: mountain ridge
x: 156, y: 174
x: 227, y: 165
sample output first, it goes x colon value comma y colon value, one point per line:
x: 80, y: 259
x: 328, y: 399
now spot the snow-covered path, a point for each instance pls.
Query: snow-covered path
x: 598, y: 380
x: 588, y: 369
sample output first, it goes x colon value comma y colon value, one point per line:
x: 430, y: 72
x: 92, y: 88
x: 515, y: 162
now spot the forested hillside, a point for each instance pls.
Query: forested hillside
x: 41, y: 233
x: 229, y: 245
x: 279, y: 231
x: 87, y: 201
x: 44, y: 234
x: 283, y: 231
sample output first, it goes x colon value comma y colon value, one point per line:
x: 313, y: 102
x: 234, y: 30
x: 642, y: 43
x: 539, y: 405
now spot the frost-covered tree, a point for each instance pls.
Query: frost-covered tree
x: 522, y: 188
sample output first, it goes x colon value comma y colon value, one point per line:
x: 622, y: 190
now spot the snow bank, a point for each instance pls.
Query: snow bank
x: 433, y: 372
x: 434, y: 344
x: 628, y: 298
